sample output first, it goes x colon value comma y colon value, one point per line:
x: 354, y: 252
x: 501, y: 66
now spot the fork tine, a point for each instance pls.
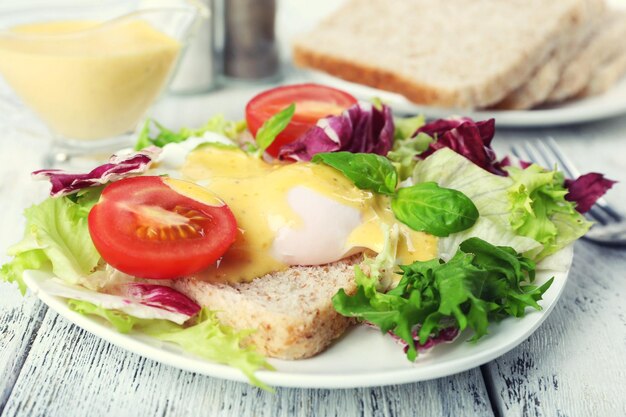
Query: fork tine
x: 566, y: 164
x: 549, y: 156
x: 536, y: 155
x: 572, y: 172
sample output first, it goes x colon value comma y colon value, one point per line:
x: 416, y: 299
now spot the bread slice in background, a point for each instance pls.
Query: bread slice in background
x: 606, y: 75
x: 538, y: 87
x: 607, y: 41
x: 291, y: 311
x: 453, y: 53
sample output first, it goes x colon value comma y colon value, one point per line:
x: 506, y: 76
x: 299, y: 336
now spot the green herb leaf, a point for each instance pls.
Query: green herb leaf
x: 435, y: 210
x: 481, y: 284
x: 368, y: 171
x: 272, y: 127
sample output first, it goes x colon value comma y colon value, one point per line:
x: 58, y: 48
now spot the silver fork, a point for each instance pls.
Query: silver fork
x: 609, y: 225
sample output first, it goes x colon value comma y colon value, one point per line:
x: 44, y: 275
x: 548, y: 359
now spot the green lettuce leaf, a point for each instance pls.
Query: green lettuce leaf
x: 481, y: 284
x: 56, y: 237
x: 540, y: 211
x: 163, y: 136
x: 204, y: 336
x: 23, y: 261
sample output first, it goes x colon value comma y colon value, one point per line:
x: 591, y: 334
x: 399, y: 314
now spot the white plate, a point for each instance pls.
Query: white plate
x: 362, y: 358
x: 610, y: 104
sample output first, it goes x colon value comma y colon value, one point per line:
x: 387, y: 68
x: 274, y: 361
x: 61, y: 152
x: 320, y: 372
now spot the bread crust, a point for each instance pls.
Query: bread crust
x: 316, y: 50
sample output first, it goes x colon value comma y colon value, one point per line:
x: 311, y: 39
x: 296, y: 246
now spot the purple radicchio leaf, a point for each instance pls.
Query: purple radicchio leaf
x: 587, y: 189
x: 446, y: 335
x: 362, y: 128
x: 160, y: 296
x: 465, y: 137
x: 119, y: 166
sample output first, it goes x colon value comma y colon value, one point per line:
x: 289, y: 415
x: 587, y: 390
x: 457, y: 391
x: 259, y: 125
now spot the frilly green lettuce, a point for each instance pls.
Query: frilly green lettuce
x: 203, y: 336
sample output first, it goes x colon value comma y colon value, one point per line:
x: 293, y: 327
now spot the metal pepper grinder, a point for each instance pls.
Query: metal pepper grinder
x: 249, y: 44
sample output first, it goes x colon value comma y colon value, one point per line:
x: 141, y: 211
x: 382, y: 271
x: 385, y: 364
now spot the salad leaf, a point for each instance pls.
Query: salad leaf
x: 587, y: 189
x: 23, y: 261
x: 367, y: 171
x: 57, y: 236
x: 362, y: 128
x: 163, y: 136
x: 432, y: 209
x: 272, y: 127
x: 404, y: 153
x: 122, y: 322
x: 482, y: 283
x: 466, y: 137
x: 146, y: 301
x: 540, y: 211
x: 160, y: 296
x: 487, y: 191
x: 406, y: 127
x: 203, y: 336
x: 64, y: 183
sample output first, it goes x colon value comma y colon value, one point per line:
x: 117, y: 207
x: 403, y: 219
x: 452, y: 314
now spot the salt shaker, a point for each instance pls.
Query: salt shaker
x: 249, y: 45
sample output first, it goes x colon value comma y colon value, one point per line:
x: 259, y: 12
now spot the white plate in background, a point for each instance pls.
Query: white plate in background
x: 610, y: 104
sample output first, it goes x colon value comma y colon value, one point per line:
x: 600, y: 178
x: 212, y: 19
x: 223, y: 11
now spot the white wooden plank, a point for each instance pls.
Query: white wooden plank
x: 575, y: 364
x: 71, y: 373
x: 19, y: 317
x: 19, y: 321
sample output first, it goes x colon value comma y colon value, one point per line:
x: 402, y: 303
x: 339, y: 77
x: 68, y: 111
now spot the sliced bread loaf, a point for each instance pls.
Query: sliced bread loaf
x: 606, y: 43
x: 606, y: 75
x: 457, y: 53
x: 539, y: 86
x: 291, y: 311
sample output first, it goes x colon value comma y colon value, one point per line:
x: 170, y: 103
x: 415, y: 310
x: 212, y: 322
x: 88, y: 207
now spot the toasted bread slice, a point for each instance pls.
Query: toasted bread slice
x: 606, y: 75
x: 606, y: 42
x: 457, y: 53
x: 539, y: 86
x: 291, y: 311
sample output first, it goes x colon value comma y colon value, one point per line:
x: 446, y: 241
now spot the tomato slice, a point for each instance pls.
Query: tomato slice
x: 313, y: 101
x: 160, y: 228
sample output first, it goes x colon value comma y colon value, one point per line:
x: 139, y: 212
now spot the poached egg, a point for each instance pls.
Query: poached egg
x: 289, y: 213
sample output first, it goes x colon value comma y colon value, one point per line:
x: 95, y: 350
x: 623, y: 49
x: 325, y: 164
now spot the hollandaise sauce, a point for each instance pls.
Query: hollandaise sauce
x: 290, y: 213
x: 85, y: 79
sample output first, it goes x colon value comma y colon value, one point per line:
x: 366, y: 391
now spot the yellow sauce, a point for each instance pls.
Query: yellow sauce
x: 256, y: 192
x: 88, y: 80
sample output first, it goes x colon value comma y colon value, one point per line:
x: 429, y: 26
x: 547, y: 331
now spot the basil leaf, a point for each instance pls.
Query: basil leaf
x: 435, y: 210
x: 368, y: 171
x: 272, y: 127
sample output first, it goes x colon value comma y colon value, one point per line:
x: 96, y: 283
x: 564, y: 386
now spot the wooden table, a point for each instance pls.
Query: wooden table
x: 573, y: 365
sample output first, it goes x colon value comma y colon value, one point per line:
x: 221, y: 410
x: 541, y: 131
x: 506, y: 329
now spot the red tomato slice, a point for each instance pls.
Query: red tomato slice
x: 313, y: 101
x: 160, y: 228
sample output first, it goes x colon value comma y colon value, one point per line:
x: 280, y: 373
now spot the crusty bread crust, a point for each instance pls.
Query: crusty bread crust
x: 291, y: 311
x: 426, y: 76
